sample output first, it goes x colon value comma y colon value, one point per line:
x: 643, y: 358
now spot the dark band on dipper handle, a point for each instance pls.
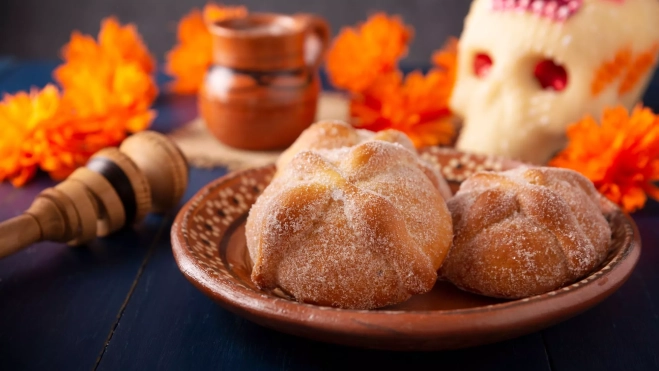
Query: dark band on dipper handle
x: 119, y: 181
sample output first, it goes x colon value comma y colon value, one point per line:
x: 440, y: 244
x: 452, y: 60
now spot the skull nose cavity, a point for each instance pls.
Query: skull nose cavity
x: 482, y: 65
x: 551, y: 75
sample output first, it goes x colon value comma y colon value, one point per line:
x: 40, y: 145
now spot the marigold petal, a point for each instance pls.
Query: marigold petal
x: 416, y: 105
x: 620, y: 156
x: 124, y: 44
x: 23, y: 176
x: 188, y: 61
x: 215, y: 13
x: 358, y: 56
x: 107, y: 92
x: 24, y: 117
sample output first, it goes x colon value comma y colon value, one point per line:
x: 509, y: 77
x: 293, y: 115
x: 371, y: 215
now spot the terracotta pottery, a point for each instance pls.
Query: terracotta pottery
x: 208, y: 241
x: 262, y: 89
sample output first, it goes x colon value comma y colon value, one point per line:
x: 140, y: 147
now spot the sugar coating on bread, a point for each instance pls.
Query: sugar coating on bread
x: 333, y: 134
x: 525, y: 232
x: 358, y: 227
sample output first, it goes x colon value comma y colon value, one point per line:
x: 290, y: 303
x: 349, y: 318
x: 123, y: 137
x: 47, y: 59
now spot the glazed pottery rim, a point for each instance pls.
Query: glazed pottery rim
x: 221, y: 28
x: 256, y: 305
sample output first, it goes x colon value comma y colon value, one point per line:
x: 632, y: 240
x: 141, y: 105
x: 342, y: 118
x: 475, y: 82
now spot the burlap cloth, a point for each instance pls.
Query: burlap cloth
x: 203, y: 150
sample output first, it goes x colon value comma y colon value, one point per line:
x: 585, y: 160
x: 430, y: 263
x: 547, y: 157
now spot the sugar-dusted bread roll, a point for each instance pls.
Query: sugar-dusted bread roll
x: 525, y: 232
x: 332, y: 134
x: 357, y: 227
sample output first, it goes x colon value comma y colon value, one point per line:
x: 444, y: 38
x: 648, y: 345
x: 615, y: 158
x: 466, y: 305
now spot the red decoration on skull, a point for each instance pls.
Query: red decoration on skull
x: 556, y: 10
x: 551, y: 75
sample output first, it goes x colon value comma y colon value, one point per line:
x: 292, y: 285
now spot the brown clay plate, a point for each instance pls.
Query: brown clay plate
x: 209, y: 246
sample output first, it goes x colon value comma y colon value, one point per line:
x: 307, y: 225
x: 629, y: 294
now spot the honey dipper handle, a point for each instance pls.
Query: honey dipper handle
x: 18, y: 233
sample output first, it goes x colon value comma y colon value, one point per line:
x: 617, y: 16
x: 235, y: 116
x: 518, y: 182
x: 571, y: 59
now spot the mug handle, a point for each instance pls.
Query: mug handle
x: 318, y: 26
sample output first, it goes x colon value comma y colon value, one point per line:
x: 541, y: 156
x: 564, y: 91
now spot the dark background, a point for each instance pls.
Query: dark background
x: 37, y: 29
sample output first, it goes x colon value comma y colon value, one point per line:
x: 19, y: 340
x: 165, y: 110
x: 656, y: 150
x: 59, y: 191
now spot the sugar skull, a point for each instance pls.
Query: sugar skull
x: 529, y: 68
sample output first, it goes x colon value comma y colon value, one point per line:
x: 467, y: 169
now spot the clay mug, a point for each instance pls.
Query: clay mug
x: 262, y: 90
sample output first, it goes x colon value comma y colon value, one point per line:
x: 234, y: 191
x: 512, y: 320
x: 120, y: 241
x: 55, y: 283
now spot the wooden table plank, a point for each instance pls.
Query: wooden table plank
x: 58, y: 305
x: 170, y: 325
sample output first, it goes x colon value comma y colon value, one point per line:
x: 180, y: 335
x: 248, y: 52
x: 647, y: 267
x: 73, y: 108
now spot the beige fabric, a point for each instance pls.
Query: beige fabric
x: 203, y: 150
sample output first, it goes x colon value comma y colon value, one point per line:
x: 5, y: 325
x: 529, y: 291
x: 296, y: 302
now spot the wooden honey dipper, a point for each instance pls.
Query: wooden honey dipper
x: 117, y: 187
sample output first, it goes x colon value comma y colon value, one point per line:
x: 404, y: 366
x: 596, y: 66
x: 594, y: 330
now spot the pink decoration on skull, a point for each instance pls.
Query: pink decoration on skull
x: 556, y: 10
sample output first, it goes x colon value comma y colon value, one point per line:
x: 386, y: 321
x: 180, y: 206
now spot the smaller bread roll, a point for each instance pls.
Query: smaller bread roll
x: 331, y: 134
x: 525, y: 232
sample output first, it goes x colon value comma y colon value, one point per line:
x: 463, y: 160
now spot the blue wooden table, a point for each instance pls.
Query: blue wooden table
x: 121, y: 303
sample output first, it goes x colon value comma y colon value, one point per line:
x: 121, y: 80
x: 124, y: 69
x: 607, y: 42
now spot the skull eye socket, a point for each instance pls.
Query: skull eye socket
x: 482, y: 64
x: 551, y: 75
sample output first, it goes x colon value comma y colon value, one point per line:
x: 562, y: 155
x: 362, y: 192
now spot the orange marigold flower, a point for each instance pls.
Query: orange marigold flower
x: 107, y: 92
x: 102, y: 115
x: 620, y: 156
x: 25, y: 119
x: 217, y: 13
x: 124, y: 43
x: 125, y: 92
x: 416, y: 105
x: 189, y: 60
x: 108, y: 83
x: 116, y: 45
x: 359, y: 55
